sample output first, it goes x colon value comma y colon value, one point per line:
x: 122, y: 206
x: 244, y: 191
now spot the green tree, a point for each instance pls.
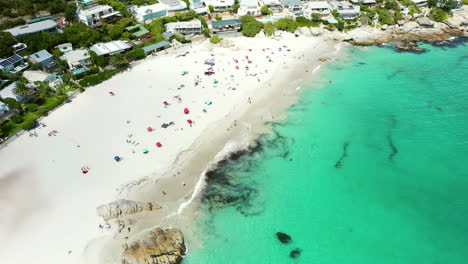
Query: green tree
x: 22, y: 90
x: 437, y: 14
x: 99, y: 61
x: 218, y: 18
x: 265, y: 11
x: 70, y: 12
x: 445, y: 5
x: 211, y: 8
x: 6, y: 41
x: 286, y: 24
x: 269, y: 29
x: 335, y: 14
x: 215, y: 39
x: 316, y: 17
x: 391, y: 4
x: 250, y: 26
x: 12, y: 103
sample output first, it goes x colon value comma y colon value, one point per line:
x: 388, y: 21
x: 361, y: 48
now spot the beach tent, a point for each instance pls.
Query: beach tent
x: 144, y: 151
x: 158, y: 144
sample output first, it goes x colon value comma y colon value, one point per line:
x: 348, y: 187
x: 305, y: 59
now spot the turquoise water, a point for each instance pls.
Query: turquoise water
x: 370, y: 168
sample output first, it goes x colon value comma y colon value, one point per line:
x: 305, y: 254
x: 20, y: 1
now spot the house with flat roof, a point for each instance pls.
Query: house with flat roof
x: 77, y: 59
x: 273, y: 5
x: 224, y: 26
x: 157, y: 47
x: 174, y: 5
x: 167, y: 35
x: 185, y: 28
x: 293, y: 6
x: 248, y: 7
x: 95, y: 15
x: 45, y: 59
x: 317, y: 7
x: 111, y: 47
x: 149, y: 12
x: 42, y: 26
x: 140, y: 33
x: 39, y: 76
x: 220, y: 5
x: 10, y: 63
x: 65, y: 47
x: 346, y: 10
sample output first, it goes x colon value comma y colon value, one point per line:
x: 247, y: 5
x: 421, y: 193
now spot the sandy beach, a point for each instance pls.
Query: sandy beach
x: 49, y: 204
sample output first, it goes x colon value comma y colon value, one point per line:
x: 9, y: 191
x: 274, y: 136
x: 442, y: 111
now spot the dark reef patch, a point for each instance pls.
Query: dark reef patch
x: 283, y: 237
x: 394, y: 74
x: 295, y: 253
x: 339, y: 162
x: 390, y: 139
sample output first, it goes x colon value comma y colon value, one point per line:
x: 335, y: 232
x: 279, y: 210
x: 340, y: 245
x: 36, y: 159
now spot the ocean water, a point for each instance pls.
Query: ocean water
x: 370, y: 166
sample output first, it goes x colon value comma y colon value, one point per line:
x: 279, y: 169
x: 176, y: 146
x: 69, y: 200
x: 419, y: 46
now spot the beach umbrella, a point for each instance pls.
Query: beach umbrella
x: 186, y: 111
x: 237, y: 67
x: 144, y: 151
x: 250, y: 49
x: 249, y: 61
x: 208, y: 102
x: 158, y: 144
x: 117, y: 158
x: 189, y: 121
x: 111, y: 93
x: 246, y: 57
x: 165, y: 103
x: 204, y: 110
x: 149, y: 129
x: 246, y: 67
x: 215, y: 81
x: 236, y: 61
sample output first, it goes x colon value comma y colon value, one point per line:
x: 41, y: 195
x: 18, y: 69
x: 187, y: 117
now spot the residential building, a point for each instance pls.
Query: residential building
x: 195, y: 4
x: 224, y: 26
x: 111, y: 47
x: 9, y: 64
x: 42, y: 26
x: 7, y: 92
x: 364, y: 2
x: 157, y: 47
x: 19, y: 48
x: 45, y: 59
x: 3, y: 110
x: 185, y: 28
x: 95, y: 15
x: 293, y: 6
x: 174, y: 5
x: 420, y: 2
x: 65, y: 47
x: 150, y: 12
x: 273, y: 5
x: 318, y: 7
x: 167, y: 35
x: 346, y: 10
x: 248, y: 7
x: 39, y: 76
x: 220, y: 5
x: 140, y: 33
x: 77, y: 59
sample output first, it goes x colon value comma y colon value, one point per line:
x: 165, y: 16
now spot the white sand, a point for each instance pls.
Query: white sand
x: 47, y: 206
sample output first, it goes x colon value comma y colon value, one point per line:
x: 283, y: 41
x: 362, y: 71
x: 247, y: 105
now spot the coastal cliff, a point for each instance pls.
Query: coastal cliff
x: 155, y: 246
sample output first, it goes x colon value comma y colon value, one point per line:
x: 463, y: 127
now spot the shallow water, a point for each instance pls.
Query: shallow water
x: 370, y: 168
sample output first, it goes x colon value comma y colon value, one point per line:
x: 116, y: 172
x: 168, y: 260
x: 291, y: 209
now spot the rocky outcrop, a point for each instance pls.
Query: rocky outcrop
x: 303, y: 31
x: 155, y: 246
x: 408, y: 46
x: 425, y: 22
x: 124, y: 207
x: 410, y: 26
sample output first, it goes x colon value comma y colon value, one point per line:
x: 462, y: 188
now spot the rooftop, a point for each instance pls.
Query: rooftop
x: 41, y: 55
x: 65, y: 47
x: 223, y: 23
x: 156, y: 46
x: 32, y: 28
x: 186, y: 24
x: 76, y: 56
x: 33, y: 76
x: 249, y: 2
x: 291, y: 2
x: 137, y: 30
x: 174, y: 4
x: 93, y: 9
x: 111, y: 47
x: 271, y: 2
x: 7, y: 92
x: 149, y: 9
x: 10, y: 60
x: 222, y: 3
x: 318, y: 5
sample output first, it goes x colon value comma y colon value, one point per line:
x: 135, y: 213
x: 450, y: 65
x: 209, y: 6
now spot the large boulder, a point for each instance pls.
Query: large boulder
x: 155, y: 246
x: 410, y: 26
x: 124, y: 207
x: 401, y: 22
x: 425, y: 22
x: 315, y: 31
x: 384, y: 27
x: 303, y: 31
x: 464, y: 23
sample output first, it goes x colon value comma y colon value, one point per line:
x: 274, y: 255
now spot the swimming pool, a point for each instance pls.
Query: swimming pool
x: 267, y: 19
x: 78, y: 71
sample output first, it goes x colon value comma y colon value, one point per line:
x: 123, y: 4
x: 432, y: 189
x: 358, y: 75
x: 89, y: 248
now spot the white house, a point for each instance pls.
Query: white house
x: 174, y: 5
x: 95, y: 15
x: 185, y: 28
x: 273, y: 5
x: 220, y: 5
x: 149, y: 12
x: 77, y: 59
x: 111, y: 47
x: 295, y: 7
x: 319, y: 7
x: 39, y: 76
x: 346, y: 10
x: 248, y: 7
x: 65, y: 47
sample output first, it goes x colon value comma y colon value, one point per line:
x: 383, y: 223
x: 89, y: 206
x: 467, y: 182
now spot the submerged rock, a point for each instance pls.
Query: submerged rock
x: 408, y: 46
x: 295, y: 253
x: 155, y: 246
x: 283, y: 237
x: 124, y: 207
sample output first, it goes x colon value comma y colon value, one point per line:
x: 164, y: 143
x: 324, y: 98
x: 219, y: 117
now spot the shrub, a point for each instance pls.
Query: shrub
x: 206, y: 32
x: 385, y: 18
x: 437, y: 14
x: 98, y: 78
x: 304, y: 22
x: 35, y: 67
x: 218, y: 18
x: 215, y: 39
x: 269, y: 29
x: 391, y: 4
x: 185, y: 16
x: 316, y: 17
x: 340, y: 25
x: 286, y: 24
x: 136, y: 54
x: 28, y: 125
x: 250, y: 26
x: 32, y: 107
x: 265, y: 11
x: 181, y: 38
x: 17, y: 119
x: 211, y: 8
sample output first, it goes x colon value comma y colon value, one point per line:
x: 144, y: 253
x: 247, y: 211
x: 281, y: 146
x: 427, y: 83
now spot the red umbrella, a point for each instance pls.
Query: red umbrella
x: 111, y: 93
x: 246, y: 67
x: 246, y: 57
x: 250, y: 49
x: 165, y: 103
x: 186, y: 111
x: 149, y: 129
x: 189, y: 121
x: 158, y: 144
x: 249, y: 61
x: 237, y: 67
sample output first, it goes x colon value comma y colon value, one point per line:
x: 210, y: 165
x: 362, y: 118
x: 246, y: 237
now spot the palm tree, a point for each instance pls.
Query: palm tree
x: 21, y: 90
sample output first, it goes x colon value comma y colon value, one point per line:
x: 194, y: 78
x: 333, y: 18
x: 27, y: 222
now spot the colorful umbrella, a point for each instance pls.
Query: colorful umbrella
x: 144, y: 151
x: 149, y: 129
x: 158, y: 144
x: 186, y: 111
x: 189, y: 121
